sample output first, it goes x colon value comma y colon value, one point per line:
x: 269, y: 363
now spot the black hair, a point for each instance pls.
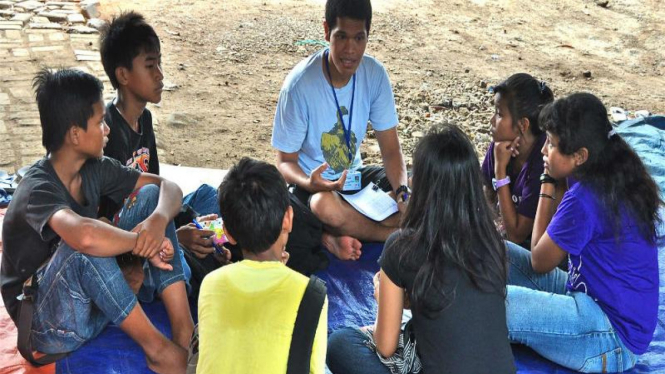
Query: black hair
x: 123, y: 39
x: 448, y: 223
x: 65, y: 98
x: 355, y: 9
x: 525, y: 97
x: 253, y: 200
x: 612, y: 170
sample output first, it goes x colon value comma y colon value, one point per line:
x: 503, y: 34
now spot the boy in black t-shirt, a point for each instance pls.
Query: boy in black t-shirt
x: 130, y: 52
x: 51, y: 234
x: 131, y: 55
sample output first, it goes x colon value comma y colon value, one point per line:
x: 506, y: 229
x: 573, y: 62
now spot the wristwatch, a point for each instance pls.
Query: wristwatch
x: 546, y: 178
x: 405, y: 190
x: 498, y: 183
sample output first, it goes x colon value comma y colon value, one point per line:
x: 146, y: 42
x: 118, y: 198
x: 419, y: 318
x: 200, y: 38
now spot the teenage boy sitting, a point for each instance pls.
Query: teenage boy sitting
x: 321, y: 120
x: 131, y: 55
x: 247, y: 310
x: 51, y: 234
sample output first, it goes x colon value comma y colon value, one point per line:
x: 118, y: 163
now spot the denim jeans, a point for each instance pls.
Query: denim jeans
x: 348, y: 353
x: 203, y: 200
x: 565, y: 327
x: 79, y: 294
x: 134, y: 212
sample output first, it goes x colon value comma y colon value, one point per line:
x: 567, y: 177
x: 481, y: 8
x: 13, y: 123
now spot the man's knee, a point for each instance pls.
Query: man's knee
x: 138, y: 206
x: 326, y: 208
x: 148, y: 194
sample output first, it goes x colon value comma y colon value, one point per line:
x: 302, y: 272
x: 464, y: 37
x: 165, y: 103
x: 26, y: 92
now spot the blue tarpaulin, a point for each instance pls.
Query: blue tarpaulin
x: 350, y: 292
x: 351, y: 303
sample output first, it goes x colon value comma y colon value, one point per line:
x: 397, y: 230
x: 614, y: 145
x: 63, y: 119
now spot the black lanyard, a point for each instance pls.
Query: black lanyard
x: 347, y: 132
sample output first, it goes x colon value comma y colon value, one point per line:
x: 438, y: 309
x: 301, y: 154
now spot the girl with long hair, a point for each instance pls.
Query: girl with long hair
x: 450, y: 262
x: 513, y: 162
x: 601, y: 315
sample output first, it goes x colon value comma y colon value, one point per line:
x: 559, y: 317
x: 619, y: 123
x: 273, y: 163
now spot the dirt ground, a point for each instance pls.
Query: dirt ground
x: 225, y: 62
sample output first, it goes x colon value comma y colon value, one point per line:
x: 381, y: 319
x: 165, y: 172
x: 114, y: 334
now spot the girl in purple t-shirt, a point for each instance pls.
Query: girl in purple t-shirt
x: 513, y: 163
x: 602, y: 314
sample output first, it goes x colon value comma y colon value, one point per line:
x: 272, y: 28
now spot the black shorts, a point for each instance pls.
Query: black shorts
x: 376, y: 174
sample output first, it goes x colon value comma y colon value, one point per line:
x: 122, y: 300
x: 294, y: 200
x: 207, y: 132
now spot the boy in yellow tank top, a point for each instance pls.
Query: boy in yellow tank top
x: 247, y: 310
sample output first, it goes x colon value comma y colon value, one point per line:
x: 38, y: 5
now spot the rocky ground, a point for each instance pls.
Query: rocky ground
x: 226, y: 60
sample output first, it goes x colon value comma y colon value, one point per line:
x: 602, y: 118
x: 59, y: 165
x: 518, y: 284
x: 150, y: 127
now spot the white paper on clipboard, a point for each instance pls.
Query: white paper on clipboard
x: 372, y: 202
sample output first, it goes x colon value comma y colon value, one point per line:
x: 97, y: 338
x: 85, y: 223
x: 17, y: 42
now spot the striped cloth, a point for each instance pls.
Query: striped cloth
x: 405, y: 359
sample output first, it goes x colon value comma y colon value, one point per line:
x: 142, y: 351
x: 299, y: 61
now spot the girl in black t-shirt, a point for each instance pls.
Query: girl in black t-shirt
x: 450, y: 262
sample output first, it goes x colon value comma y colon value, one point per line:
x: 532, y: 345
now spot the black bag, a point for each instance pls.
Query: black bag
x: 304, y: 329
x: 307, y: 256
x: 24, y: 327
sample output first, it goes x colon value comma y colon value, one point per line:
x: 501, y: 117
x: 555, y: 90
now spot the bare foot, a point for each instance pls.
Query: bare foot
x: 169, y: 359
x: 343, y: 247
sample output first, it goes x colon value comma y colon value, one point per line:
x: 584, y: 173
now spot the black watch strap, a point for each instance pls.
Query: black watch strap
x: 402, y: 189
x: 546, y: 178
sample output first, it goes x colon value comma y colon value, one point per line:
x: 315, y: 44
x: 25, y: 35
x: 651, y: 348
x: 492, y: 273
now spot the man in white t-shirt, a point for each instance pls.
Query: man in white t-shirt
x: 321, y: 119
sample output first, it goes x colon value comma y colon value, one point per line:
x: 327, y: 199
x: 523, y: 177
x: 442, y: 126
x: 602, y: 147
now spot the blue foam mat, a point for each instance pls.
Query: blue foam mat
x: 351, y: 303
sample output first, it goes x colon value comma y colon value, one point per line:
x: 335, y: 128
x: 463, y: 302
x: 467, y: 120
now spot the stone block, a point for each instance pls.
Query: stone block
x: 3, y: 129
x: 6, y: 13
x: 4, y: 98
x: 90, y: 9
x: 58, y: 4
x: 23, y: 115
x: 96, y: 23
x: 80, y: 29
x: 10, y: 25
x: 33, y: 38
x: 58, y: 36
x: 51, y: 48
x: 53, y: 16
x: 28, y: 122
x: 22, y: 17
x: 30, y: 5
x: 67, y: 11
x: 6, y: 4
x: 88, y: 57
x: 13, y: 34
x: 40, y: 19
x: 76, y: 18
x: 42, y: 26
x: 20, y: 52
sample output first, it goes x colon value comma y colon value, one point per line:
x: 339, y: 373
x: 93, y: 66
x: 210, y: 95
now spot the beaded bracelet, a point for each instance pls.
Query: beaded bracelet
x: 547, y: 196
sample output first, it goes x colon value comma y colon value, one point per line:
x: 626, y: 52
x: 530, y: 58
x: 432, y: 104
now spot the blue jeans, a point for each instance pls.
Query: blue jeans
x: 565, y: 327
x: 348, y: 353
x: 79, y: 295
x: 203, y: 200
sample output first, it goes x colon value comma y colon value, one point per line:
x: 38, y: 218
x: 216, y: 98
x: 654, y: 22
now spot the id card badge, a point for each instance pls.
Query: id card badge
x: 353, y: 181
